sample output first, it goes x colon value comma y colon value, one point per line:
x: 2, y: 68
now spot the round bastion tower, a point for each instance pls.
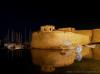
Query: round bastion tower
x: 48, y: 43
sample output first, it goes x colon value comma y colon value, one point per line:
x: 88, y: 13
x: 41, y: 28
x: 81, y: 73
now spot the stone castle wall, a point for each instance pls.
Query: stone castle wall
x: 56, y: 38
x: 48, y: 37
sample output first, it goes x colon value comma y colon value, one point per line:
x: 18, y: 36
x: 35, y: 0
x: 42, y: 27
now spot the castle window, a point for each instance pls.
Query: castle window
x: 45, y: 29
x: 50, y: 29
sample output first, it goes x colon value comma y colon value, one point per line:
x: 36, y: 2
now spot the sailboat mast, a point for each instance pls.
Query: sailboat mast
x: 25, y: 34
x: 19, y: 37
x: 30, y: 35
x: 16, y: 37
x: 8, y: 36
x: 12, y: 36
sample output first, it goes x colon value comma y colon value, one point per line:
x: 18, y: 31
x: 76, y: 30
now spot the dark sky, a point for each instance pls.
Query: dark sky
x: 18, y: 17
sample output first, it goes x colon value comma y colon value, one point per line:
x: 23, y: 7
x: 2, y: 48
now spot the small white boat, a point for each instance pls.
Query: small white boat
x: 13, y: 46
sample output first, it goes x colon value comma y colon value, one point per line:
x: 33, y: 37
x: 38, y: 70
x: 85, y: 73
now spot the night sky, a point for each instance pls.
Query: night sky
x: 17, y: 18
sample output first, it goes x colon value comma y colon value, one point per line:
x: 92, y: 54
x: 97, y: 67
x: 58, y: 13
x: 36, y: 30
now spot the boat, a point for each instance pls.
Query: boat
x: 14, y: 43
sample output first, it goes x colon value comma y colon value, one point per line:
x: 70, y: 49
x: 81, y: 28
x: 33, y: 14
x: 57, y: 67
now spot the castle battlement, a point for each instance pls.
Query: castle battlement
x: 47, y: 28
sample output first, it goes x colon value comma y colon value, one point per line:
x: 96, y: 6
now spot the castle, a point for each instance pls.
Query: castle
x: 48, y: 43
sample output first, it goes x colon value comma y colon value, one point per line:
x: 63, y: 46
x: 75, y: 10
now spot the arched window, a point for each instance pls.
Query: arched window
x: 50, y: 29
x: 45, y: 29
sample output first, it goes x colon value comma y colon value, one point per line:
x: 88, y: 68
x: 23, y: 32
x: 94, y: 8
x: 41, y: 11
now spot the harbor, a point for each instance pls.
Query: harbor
x: 35, y: 42
x: 16, y: 55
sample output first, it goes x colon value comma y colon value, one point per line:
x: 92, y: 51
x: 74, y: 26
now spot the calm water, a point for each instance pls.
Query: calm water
x: 22, y: 64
